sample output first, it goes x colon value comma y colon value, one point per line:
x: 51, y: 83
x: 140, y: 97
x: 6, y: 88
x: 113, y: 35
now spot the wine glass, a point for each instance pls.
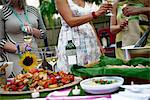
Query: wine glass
x: 27, y: 37
x: 40, y: 56
x: 51, y: 56
x: 109, y: 13
x: 127, y: 18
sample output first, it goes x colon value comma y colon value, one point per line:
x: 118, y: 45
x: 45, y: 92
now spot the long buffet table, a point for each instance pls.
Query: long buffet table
x: 137, y: 75
x: 44, y: 95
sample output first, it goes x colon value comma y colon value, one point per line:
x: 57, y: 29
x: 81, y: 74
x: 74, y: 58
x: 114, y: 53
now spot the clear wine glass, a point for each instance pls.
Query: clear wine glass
x: 40, y: 56
x: 51, y: 57
x: 27, y: 34
x: 27, y: 38
x: 126, y: 18
x: 109, y: 13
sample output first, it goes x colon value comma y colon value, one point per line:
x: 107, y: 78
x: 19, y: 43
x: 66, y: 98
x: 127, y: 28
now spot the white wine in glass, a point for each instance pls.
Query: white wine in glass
x: 27, y: 38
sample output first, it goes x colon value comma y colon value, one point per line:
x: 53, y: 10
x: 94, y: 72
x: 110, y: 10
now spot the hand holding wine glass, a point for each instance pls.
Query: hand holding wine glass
x: 27, y: 36
x: 103, y: 9
x: 125, y: 22
x: 131, y: 10
x: 111, y: 2
x: 21, y: 47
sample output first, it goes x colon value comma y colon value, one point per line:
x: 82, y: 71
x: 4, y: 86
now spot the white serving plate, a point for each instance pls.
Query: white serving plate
x: 76, y: 81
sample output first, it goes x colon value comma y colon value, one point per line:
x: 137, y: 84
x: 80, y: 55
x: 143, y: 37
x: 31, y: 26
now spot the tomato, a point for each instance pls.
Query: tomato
x: 49, y: 81
x: 14, y: 82
x: 101, y: 81
x: 14, y: 88
x: 54, y: 80
x: 20, y: 83
x: 62, y: 74
x: 46, y: 84
x: 51, y: 75
x: 65, y: 80
x: 6, y: 87
x: 71, y: 77
x: 33, y: 70
x: 21, y: 86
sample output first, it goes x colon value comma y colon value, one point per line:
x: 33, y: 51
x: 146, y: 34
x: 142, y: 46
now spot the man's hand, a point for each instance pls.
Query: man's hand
x: 129, y: 11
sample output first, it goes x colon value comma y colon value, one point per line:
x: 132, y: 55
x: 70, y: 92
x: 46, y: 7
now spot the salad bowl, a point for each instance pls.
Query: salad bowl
x: 102, y: 85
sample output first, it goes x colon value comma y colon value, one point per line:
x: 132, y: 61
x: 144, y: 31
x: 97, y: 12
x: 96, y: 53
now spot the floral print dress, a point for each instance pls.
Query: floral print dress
x: 83, y: 36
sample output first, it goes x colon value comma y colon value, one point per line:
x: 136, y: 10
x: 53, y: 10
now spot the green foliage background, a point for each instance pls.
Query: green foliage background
x: 48, y: 8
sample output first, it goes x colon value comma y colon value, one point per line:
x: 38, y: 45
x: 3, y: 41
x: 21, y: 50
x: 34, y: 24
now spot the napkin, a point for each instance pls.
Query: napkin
x: 138, y: 92
x: 96, y: 97
x: 63, y: 95
x: 63, y: 92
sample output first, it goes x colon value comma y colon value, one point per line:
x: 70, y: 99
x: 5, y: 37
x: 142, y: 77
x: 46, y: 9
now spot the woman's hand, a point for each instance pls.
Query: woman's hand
x: 15, y: 48
x: 123, y: 24
x: 36, y: 33
x: 22, y: 47
x: 29, y: 29
x: 103, y: 9
x: 10, y: 47
x: 102, y: 50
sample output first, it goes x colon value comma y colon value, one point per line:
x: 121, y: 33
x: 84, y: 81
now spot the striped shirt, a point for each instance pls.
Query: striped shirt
x: 10, y: 24
x: 10, y: 30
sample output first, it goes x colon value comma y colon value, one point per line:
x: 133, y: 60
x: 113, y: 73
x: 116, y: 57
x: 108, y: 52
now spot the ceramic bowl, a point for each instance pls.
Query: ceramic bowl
x: 9, y: 69
x: 89, y: 85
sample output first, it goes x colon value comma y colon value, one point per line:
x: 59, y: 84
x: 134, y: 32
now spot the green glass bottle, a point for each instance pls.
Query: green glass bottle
x: 71, y: 52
